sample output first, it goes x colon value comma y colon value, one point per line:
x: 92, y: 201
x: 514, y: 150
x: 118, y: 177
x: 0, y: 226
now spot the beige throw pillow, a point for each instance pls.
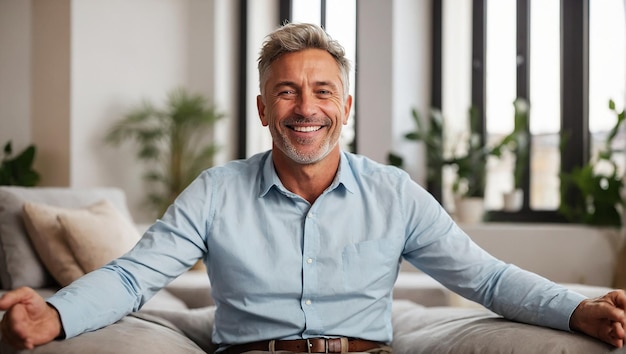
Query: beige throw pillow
x: 72, y: 242
x: 48, y: 238
x: 98, y: 234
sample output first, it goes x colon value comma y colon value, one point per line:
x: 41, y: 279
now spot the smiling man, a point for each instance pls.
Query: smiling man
x: 303, y: 243
x: 304, y: 102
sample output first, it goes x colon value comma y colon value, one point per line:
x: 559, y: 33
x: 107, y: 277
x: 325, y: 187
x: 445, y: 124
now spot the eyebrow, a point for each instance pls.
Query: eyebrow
x: 316, y: 84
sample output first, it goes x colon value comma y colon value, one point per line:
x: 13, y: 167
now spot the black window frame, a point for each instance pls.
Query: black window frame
x: 574, y: 64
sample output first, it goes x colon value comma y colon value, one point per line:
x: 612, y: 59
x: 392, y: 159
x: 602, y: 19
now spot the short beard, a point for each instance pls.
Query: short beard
x: 304, y: 159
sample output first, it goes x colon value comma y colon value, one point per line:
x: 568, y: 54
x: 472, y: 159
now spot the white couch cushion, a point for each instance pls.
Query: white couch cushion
x: 419, y: 329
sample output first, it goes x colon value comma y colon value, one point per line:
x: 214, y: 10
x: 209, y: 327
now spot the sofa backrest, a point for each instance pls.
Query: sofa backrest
x: 19, y: 263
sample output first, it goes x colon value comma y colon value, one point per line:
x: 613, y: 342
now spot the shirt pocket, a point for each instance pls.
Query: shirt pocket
x: 370, y: 265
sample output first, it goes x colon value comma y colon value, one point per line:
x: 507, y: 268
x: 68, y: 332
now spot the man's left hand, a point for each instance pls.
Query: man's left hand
x: 602, y: 318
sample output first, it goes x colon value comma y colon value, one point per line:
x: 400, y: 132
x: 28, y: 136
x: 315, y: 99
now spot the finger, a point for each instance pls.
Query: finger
x: 22, y: 330
x: 15, y: 322
x: 610, y: 311
x: 8, y: 336
x: 612, y: 334
x: 28, y: 344
x: 607, y: 335
x: 617, y: 329
x: 15, y: 296
x: 619, y: 298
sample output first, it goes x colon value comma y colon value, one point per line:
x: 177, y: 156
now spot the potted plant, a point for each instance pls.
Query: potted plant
x: 469, y: 161
x: 517, y: 143
x: 431, y: 134
x: 18, y: 170
x: 172, y: 141
x: 592, y: 194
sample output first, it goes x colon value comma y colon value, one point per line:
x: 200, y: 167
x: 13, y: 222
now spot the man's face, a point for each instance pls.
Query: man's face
x: 303, y: 105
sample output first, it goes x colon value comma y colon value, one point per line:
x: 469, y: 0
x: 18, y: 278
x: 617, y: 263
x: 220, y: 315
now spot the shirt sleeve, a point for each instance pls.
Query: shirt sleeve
x: 436, y: 245
x: 170, y: 246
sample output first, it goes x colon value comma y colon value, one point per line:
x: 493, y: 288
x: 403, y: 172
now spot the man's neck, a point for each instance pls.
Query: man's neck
x: 308, y: 181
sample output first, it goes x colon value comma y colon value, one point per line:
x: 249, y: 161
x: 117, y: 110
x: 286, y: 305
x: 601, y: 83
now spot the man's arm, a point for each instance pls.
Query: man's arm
x: 29, y: 321
x: 602, y: 318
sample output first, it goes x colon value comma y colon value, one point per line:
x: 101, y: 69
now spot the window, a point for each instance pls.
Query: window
x: 545, y: 95
x: 607, y: 71
x: 565, y: 57
x: 338, y: 18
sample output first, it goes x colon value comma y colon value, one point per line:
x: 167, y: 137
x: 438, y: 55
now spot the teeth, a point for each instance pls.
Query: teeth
x: 307, y: 129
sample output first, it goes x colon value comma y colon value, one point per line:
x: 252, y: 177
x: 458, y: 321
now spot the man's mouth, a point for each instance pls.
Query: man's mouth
x: 306, y: 129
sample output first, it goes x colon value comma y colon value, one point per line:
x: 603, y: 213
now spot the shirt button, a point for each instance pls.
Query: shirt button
x: 309, y: 260
x: 308, y: 302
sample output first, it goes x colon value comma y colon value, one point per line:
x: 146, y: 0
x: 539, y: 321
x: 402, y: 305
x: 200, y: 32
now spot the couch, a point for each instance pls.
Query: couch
x: 427, y: 318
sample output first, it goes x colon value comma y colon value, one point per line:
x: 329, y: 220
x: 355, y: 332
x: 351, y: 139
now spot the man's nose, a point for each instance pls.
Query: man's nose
x: 306, y: 105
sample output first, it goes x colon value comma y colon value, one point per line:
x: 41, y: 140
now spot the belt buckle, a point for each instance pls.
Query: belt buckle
x: 309, y: 345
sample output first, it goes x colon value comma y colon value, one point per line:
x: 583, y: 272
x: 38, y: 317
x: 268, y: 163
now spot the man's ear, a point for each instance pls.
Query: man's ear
x: 347, y: 107
x: 260, y: 106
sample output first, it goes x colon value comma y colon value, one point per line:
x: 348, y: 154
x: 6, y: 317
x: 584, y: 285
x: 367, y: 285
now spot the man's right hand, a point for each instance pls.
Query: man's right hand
x: 29, y: 321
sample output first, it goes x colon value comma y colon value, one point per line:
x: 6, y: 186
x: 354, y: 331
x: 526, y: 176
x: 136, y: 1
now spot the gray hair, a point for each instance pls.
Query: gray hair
x: 295, y: 37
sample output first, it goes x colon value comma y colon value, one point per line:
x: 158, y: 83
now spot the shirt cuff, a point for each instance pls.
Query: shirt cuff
x: 559, y: 315
x: 70, y: 323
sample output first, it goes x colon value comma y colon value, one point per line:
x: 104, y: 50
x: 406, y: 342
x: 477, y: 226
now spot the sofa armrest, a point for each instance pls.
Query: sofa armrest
x: 193, y: 288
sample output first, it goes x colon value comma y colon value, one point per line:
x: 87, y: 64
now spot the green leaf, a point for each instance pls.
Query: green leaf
x: 170, y: 140
x: 8, y: 150
x: 19, y: 169
x: 395, y: 160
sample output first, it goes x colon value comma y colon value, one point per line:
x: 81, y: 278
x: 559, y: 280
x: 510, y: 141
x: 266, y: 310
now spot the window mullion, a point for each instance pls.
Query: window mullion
x: 285, y: 11
x: 242, y: 80
x: 479, y: 25
x: 478, y: 61
x: 436, y: 88
x: 574, y: 83
x: 323, y: 13
x: 523, y: 79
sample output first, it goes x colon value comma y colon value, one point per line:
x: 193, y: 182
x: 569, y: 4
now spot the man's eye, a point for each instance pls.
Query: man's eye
x: 287, y: 93
x: 324, y: 92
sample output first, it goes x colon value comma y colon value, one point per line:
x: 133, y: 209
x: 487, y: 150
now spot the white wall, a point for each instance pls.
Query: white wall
x: 411, y: 78
x: 50, y: 91
x: 560, y: 252
x: 92, y: 61
x: 142, y: 56
x: 15, y: 52
x: 393, y: 76
x: 262, y: 19
x: 225, y: 69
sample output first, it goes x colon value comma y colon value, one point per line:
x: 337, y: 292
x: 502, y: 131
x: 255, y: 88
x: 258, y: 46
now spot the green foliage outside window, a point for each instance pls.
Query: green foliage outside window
x: 591, y: 195
x: 469, y: 157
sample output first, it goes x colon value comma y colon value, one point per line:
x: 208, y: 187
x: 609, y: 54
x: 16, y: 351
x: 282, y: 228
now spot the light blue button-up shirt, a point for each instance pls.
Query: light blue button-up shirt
x: 283, y: 268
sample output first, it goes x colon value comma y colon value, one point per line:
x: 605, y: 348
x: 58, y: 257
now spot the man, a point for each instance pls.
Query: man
x: 304, y: 241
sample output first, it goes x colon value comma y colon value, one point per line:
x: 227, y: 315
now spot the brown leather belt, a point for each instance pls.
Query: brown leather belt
x: 312, y: 345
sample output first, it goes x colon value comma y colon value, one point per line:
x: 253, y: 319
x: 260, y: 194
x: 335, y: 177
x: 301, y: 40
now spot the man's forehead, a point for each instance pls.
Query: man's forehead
x: 321, y: 67
x: 306, y: 57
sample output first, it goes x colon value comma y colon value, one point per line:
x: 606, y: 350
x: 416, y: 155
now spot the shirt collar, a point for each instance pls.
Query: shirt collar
x: 269, y: 177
